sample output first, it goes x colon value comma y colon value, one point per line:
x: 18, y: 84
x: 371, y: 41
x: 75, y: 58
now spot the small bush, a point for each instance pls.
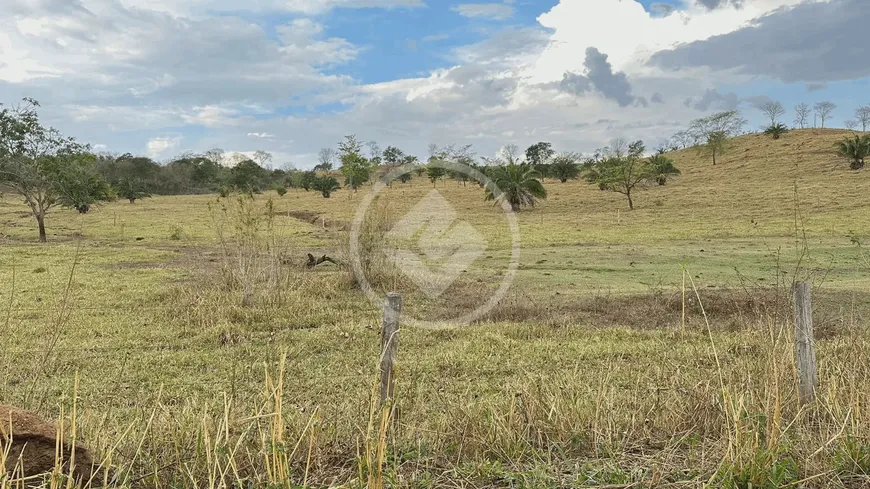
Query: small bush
x: 282, y: 190
x: 776, y: 130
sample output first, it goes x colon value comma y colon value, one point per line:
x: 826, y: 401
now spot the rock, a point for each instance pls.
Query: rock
x: 33, y: 446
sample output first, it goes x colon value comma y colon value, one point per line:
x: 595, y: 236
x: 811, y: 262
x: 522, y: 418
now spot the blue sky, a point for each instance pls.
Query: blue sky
x: 160, y: 77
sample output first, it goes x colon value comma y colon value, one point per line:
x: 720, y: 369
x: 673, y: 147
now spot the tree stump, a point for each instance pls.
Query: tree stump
x: 33, y: 447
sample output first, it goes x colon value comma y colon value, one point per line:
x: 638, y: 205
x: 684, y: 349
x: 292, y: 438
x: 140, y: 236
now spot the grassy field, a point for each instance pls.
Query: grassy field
x: 206, y: 355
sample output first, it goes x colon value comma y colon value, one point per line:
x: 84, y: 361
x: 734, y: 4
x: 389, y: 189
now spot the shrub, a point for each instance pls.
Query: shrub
x: 855, y: 149
x: 282, y: 190
x: 325, y: 185
x: 776, y: 130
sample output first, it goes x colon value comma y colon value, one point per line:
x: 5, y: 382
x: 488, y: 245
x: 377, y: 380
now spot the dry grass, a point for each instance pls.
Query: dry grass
x: 208, y: 361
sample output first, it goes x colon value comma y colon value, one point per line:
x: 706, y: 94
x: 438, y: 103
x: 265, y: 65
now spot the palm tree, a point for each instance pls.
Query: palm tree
x: 661, y: 167
x: 855, y: 150
x: 565, y: 167
x: 518, y: 184
x: 325, y: 185
x: 132, y: 189
x: 776, y: 130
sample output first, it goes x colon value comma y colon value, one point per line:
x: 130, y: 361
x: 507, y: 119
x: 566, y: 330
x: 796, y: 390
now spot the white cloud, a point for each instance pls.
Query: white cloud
x: 496, y: 11
x: 261, y: 135
x: 157, y: 147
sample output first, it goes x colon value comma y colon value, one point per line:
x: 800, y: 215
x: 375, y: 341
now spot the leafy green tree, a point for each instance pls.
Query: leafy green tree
x: 715, y: 145
x: 306, y: 179
x: 281, y: 190
x: 564, y: 167
x: 247, y: 176
x: 435, y: 171
x: 354, y: 166
x: 78, y: 186
x: 622, y: 171
x: 44, y: 167
x: 405, y: 177
x: 393, y: 156
x: 776, y: 130
x: 132, y: 189
x: 661, y: 168
x: 518, y: 184
x: 711, y: 133
x: 539, y: 155
x: 325, y: 185
x: 855, y: 149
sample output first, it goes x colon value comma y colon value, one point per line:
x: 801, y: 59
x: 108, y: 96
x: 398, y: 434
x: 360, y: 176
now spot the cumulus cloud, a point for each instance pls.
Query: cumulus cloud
x: 495, y: 11
x: 157, y: 147
x: 600, y: 76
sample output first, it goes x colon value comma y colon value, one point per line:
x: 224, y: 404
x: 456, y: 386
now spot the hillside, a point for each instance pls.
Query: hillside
x: 583, y: 375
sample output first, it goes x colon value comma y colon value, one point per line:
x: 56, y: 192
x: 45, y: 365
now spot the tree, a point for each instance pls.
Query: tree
x: 435, y: 170
x: 716, y: 145
x: 564, y: 167
x: 510, y: 154
x: 247, y: 176
x: 776, y: 130
x: 215, y: 155
x: 262, y: 158
x: 823, y: 111
x: 539, y: 155
x: 326, y: 159
x: 305, y: 179
x: 622, y: 172
x: 773, y: 111
x: 375, y: 152
x: 132, y: 189
x: 354, y: 166
x: 862, y: 115
x: 802, y: 115
x: 393, y: 156
x: 44, y: 167
x: 855, y: 149
x: 517, y: 184
x: 78, y: 186
x: 325, y: 185
x: 661, y: 167
x: 851, y: 124
x: 405, y: 177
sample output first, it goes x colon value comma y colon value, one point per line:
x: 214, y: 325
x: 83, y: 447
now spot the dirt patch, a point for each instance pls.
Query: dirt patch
x: 724, y: 308
x: 33, y: 446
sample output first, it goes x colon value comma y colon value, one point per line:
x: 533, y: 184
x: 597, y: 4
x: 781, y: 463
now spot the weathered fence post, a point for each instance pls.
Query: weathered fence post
x: 390, y: 344
x: 805, y: 348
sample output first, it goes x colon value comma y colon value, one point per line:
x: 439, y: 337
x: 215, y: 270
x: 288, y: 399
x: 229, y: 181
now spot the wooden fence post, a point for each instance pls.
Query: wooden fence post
x: 390, y: 344
x: 805, y: 348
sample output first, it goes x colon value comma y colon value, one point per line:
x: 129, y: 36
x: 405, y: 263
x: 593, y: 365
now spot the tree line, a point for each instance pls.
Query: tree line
x: 49, y: 170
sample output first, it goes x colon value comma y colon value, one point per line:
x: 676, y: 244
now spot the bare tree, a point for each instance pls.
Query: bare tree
x: 215, y: 155
x: 802, y: 115
x: 773, y: 111
x: 374, y: 150
x: 511, y: 154
x: 823, y: 111
x: 862, y: 115
x: 851, y: 124
x: 262, y: 157
x: 325, y: 159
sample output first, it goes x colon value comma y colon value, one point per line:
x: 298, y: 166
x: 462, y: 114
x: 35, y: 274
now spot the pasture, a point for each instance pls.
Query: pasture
x: 644, y: 348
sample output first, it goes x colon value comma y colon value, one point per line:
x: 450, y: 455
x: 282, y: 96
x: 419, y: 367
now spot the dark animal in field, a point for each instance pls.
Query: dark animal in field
x: 83, y: 209
x: 313, y: 262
